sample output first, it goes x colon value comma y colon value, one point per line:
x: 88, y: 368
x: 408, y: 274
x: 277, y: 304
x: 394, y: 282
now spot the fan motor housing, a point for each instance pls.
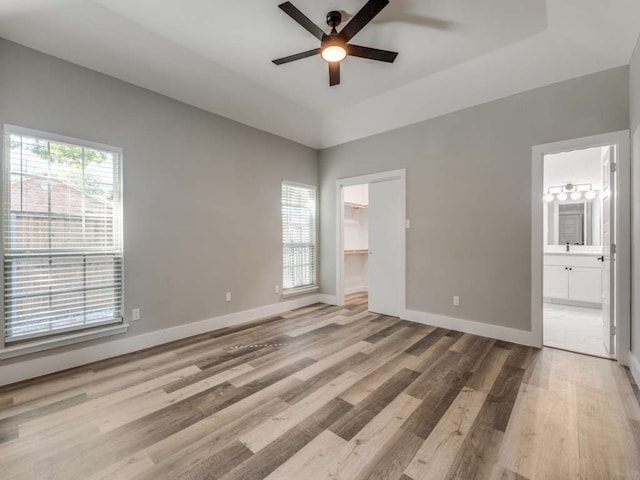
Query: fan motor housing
x: 334, y: 18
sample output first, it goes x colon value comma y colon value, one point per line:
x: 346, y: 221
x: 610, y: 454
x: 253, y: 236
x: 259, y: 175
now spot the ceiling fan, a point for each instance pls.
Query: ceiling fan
x: 335, y: 45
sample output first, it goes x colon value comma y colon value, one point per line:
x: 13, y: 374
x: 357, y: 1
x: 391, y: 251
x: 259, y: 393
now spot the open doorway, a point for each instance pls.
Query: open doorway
x: 580, y: 245
x: 371, y: 241
x: 579, y: 197
x: 355, y: 228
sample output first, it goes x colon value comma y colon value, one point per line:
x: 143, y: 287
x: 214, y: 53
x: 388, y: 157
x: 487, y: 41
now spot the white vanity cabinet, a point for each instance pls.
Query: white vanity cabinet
x: 556, y: 282
x: 573, y: 279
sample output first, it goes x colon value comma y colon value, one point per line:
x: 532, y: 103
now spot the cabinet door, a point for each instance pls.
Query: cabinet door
x: 556, y: 282
x: 585, y: 284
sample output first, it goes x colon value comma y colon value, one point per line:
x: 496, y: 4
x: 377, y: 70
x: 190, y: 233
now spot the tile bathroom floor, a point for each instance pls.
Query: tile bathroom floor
x: 577, y: 329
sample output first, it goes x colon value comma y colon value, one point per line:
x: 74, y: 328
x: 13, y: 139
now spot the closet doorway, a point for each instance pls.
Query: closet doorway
x: 371, y: 240
x: 356, y: 238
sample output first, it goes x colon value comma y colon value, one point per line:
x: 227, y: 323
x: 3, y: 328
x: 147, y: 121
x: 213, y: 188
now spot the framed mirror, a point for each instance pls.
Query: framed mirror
x: 573, y: 222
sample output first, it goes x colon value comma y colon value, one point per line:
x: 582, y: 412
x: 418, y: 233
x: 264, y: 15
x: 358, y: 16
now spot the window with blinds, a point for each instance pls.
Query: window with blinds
x: 298, y: 236
x: 62, y: 235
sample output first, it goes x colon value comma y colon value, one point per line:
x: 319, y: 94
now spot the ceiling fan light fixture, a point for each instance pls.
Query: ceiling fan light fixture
x: 334, y: 51
x: 335, y: 46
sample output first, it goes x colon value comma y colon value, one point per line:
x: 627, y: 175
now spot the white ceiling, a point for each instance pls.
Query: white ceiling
x: 217, y: 55
x: 578, y: 166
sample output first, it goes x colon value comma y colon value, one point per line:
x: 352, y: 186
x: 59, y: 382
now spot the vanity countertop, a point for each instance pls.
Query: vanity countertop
x: 575, y: 254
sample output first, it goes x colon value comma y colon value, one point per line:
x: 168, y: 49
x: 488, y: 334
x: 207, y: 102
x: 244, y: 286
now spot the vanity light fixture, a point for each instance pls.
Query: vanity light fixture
x: 562, y: 192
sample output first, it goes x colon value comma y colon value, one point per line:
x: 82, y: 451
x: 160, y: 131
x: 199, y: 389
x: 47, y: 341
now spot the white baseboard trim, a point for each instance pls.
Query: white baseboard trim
x: 328, y: 299
x: 52, y: 361
x: 522, y: 337
x: 634, y: 366
x: 361, y: 288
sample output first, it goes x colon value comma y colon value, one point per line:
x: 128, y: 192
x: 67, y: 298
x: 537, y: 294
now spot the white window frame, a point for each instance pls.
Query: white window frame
x: 300, y: 290
x: 63, y: 338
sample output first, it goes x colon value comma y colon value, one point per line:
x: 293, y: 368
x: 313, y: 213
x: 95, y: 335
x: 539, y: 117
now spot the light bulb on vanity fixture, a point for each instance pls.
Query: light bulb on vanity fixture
x: 562, y: 196
x: 548, y: 197
x: 576, y: 195
x: 590, y: 195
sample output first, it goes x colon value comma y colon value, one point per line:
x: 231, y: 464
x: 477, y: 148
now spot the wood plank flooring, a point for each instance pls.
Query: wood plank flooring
x: 327, y: 392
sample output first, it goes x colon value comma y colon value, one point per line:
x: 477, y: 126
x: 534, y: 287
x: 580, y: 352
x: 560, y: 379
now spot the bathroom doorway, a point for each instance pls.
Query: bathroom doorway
x: 581, y: 239
x: 578, y: 199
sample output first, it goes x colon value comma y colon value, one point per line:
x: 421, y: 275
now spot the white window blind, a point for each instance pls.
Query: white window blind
x: 62, y: 235
x: 298, y: 236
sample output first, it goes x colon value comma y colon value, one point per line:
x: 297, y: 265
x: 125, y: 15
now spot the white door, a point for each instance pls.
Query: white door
x: 385, y: 226
x: 608, y: 258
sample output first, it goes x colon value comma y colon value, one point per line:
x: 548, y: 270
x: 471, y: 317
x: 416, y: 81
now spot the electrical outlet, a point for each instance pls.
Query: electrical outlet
x: 228, y: 296
x: 135, y: 314
x: 456, y: 301
x: 277, y: 289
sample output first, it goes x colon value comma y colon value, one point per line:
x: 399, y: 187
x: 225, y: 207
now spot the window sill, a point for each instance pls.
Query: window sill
x: 61, y: 341
x: 292, y: 292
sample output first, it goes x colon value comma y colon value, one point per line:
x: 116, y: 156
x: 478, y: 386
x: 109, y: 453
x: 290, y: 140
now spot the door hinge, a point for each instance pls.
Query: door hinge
x: 614, y: 167
x: 613, y: 249
x: 613, y: 329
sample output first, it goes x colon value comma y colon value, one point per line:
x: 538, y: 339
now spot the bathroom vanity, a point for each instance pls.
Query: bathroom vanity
x: 573, y: 278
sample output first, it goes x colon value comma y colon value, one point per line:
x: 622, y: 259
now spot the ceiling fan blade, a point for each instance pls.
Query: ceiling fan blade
x: 334, y: 73
x: 372, y: 53
x: 298, y: 16
x: 297, y: 56
x: 363, y: 17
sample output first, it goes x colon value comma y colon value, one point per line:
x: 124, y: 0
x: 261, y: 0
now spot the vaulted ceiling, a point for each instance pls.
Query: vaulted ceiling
x: 217, y: 55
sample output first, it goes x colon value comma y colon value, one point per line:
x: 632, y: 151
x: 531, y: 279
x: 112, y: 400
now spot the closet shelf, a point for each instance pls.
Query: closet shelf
x: 356, y: 205
x: 356, y: 252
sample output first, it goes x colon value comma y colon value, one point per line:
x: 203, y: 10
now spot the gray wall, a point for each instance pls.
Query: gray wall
x: 198, y: 187
x: 201, y: 193
x: 469, y: 191
x: 634, y: 88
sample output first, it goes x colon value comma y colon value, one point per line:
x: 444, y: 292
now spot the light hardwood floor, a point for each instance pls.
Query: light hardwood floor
x: 325, y: 393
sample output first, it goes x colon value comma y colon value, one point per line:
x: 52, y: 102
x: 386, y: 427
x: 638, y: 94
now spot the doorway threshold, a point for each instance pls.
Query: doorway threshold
x: 604, y: 357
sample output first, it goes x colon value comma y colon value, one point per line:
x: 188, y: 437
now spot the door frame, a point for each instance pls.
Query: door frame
x: 622, y: 297
x: 401, y: 175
